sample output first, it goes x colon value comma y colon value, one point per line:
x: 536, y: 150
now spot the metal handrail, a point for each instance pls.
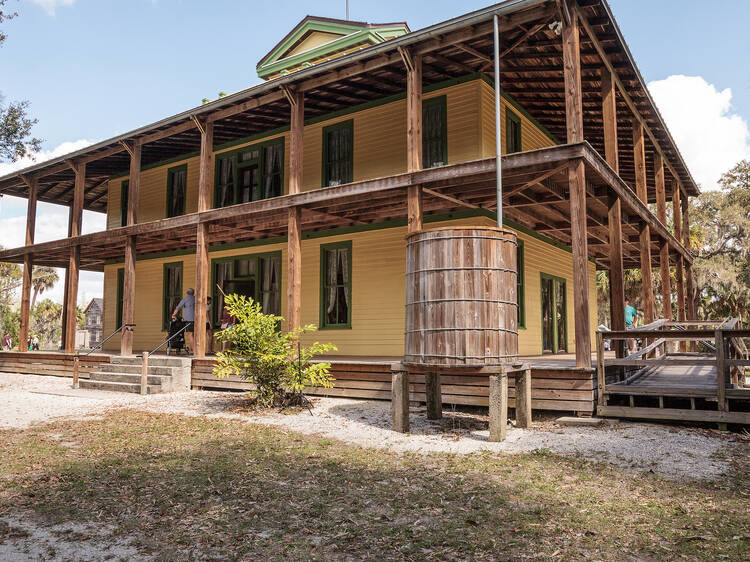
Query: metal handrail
x: 77, y: 356
x: 169, y: 339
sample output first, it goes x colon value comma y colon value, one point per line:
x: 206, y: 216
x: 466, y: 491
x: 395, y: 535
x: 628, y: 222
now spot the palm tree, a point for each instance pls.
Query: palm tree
x: 43, y: 278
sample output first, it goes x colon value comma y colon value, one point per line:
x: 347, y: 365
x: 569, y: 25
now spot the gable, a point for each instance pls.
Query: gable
x: 314, y: 39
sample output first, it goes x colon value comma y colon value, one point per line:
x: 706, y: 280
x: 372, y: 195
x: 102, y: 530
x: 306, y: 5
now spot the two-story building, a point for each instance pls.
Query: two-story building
x: 300, y: 191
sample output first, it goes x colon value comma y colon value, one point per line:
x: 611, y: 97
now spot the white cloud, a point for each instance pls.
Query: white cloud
x: 50, y: 6
x: 60, y: 150
x: 710, y: 135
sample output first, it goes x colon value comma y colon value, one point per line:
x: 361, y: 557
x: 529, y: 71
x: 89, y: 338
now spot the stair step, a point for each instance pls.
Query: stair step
x: 157, y: 361
x: 125, y: 377
x: 136, y: 369
x: 118, y: 386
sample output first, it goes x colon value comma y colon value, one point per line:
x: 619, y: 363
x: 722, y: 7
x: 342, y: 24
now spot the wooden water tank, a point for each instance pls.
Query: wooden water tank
x: 461, y: 305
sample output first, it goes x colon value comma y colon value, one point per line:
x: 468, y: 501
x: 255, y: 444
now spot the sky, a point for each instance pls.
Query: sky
x: 93, y: 69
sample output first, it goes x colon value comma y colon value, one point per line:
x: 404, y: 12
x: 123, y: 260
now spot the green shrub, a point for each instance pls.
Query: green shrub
x: 269, y: 358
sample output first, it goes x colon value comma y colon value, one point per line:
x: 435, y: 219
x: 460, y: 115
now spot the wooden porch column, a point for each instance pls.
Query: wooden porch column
x: 202, y: 288
x: 639, y: 157
x: 690, y: 297
x: 71, y: 300
x: 23, y: 329
x: 661, y: 214
x: 614, y: 215
x: 577, y: 187
x: 414, y: 137
x: 294, y: 231
x: 128, y: 292
x: 680, y: 262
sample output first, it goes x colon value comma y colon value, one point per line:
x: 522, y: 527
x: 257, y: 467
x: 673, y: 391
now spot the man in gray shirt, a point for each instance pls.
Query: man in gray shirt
x: 187, y: 305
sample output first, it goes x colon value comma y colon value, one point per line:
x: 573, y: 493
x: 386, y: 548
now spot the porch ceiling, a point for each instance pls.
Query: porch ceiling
x: 535, y: 185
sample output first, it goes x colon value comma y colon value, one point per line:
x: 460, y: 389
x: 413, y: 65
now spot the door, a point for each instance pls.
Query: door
x: 554, y: 317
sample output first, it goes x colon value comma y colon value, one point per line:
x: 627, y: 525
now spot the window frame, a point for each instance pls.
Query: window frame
x: 167, y: 314
x: 215, y: 313
x: 557, y: 346
x: 120, y: 296
x: 348, y: 124
x: 238, y: 165
x: 323, y: 325
x: 124, y: 196
x: 171, y: 173
x: 441, y: 101
x: 521, y: 284
x: 510, y: 146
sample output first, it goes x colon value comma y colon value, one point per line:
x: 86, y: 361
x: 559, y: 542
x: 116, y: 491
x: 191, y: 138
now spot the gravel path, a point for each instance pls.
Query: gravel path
x: 666, y: 450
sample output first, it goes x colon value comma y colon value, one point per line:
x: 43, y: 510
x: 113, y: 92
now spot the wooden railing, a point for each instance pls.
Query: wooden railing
x: 722, y: 341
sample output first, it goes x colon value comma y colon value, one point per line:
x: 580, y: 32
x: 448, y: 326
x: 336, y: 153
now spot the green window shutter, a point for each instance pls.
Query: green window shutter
x: 124, y: 190
x: 521, y: 286
x: 172, y: 291
x: 338, y: 153
x: 176, y: 191
x: 434, y: 132
x: 513, y: 141
x: 336, y: 285
x: 120, y: 293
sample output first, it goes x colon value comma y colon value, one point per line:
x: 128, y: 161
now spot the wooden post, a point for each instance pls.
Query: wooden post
x: 680, y: 261
x: 577, y: 188
x: 76, y: 370
x: 434, y: 396
x: 400, y: 400
x: 661, y: 214
x: 600, y: 372
x: 128, y: 293
x: 721, y: 372
x: 498, y: 407
x: 639, y: 157
x: 690, y: 296
x: 523, y: 398
x: 296, y: 141
x: 202, y: 289
x: 614, y: 214
x: 28, y: 266
x: 294, y: 275
x: 414, y: 138
x: 76, y: 218
x: 144, y: 373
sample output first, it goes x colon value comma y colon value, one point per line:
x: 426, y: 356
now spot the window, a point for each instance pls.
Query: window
x: 176, y: 191
x: 255, y: 276
x: 250, y: 174
x: 512, y: 132
x: 172, y: 294
x: 120, y: 292
x: 521, y: 286
x: 338, y: 153
x: 124, y: 190
x: 336, y: 285
x: 434, y: 132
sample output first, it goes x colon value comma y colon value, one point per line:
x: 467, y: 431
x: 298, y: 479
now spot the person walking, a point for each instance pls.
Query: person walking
x: 7, y: 343
x: 187, y: 306
x: 209, y: 328
x: 631, y: 315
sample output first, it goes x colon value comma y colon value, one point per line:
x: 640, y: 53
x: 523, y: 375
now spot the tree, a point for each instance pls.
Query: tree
x: 46, y: 323
x: 43, y: 278
x: 15, y: 125
x: 10, y: 281
x: 269, y: 358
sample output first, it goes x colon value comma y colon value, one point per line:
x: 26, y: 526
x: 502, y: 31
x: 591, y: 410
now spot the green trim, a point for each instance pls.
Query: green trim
x: 513, y: 145
x: 341, y: 126
x: 521, y: 285
x: 347, y: 244
x: 166, y: 313
x: 238, y: 165
x: 124, y: 189
x: 442, y: 103
x: 120, y: 293
x: 216, y: 313
x: 171, y: 172
x: 556, y: 347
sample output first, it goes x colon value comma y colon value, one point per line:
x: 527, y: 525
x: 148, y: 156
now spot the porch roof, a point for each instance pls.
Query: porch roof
x: 532, y: 73
x: 535, y: 197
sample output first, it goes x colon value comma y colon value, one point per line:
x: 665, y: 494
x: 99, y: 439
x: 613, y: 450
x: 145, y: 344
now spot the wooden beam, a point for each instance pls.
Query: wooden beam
x: 661, y: 214
x: 577, y: 187
x: 134, y: 182
x: 455, y: 200
x: 71, y: 300
x: 680, y: 262
x: 647, y: 289
x: 23, y: 328
x: 296, y: 141
x: 206, y: 168
x: 245, y: 106
x: 128, y: 297
x: 413, y: 137
x: 294, y: 275
x: 77, y: 204
x: 690, y: 295
x: 201, y: 290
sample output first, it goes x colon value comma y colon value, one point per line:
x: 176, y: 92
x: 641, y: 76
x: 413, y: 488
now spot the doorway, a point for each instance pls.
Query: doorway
x: 554, y: 315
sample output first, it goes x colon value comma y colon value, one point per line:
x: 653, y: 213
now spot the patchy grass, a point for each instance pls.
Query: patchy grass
x: 186, y: 488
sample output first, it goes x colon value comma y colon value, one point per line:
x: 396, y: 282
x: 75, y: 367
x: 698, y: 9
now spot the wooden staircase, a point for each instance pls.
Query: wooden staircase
x: 123, y: 374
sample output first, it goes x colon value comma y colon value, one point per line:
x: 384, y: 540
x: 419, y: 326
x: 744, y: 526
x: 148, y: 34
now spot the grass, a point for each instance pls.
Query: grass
x: 186, y: 488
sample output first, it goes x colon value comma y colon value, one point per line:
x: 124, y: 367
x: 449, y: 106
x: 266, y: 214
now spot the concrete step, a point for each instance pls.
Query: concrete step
x: 118, y: 386
x: 157, y: 361
x: 136, y: 369
x: 126, y: 377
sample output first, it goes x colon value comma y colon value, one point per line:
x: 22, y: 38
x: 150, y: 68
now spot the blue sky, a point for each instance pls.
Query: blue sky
x: 93, y: 69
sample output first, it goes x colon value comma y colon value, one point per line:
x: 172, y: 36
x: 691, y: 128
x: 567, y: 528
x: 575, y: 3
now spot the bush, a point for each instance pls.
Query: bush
x: 267, y: 357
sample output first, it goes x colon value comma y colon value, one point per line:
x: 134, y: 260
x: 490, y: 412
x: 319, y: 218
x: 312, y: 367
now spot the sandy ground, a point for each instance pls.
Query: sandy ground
x: 26, y: 400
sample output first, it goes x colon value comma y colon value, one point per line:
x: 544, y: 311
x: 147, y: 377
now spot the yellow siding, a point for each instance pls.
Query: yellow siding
x: 378, y: 291
x: 315, y: 39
